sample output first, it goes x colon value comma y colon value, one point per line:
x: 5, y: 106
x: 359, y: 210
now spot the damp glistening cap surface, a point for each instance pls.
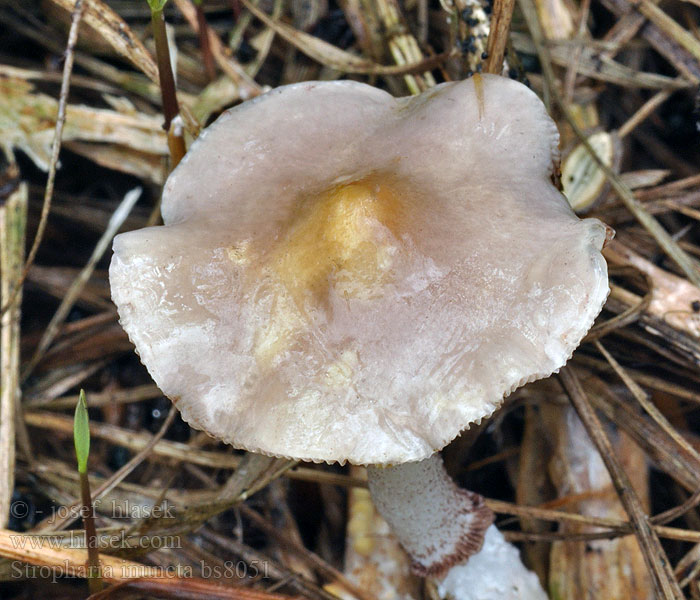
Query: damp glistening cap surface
x: 346, y: 276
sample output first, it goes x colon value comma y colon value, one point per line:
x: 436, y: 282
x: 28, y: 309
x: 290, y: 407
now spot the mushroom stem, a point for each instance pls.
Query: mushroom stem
x: 437, y: 523
x: 441, y: 526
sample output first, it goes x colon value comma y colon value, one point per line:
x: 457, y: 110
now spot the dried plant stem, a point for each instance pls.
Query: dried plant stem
x: 69, y: 299
x: 252, y: 468
x: 662, y: 237
x: 193, y: 588
x: 664, y: 580
x: 176, y: 140
x: 403, y: 46
x: 498, y: 35
x: 571, y: 71
x: 55, y: 149
x: 71, y: 562
x: 117, y: 33
x: 13, y: 217
x: 276, y: 570
x: 660, y: 449
x: 311, y: 558
x: 662, y: 41
x: 332, y: 56
x: 134, y: 440
x: 616, y: 570
x: 136, y: 394
x: 616, y: 527
x: 670, y: 27
x: 205, y: 47
x: 122, y: 473
x: 234, y: 71
x: 172, y: 450
x: 532, y: 19
x: 671, y: 533
x: 643, y: 112
x: 647, y: 404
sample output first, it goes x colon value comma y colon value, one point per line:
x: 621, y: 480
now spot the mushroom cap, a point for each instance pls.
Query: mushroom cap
x: 346, y: 276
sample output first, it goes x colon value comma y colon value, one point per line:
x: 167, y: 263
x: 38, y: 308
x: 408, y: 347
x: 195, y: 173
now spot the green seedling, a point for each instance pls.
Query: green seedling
x: 81, y: 439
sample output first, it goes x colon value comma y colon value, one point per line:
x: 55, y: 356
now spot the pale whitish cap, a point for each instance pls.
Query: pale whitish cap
x: 456, y: 275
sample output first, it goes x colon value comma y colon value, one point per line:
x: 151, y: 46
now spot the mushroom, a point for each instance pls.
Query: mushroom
x: 346, y: 276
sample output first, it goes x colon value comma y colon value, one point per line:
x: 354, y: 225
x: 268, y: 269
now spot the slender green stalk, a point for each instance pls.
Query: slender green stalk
x: 81, y: 439
x: 165, y: 69
x: 176, y: 141
x: 94, y: 578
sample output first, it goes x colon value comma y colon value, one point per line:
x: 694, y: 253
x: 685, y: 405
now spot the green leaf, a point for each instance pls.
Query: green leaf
x: 81, y: 433
x: 157, y: 5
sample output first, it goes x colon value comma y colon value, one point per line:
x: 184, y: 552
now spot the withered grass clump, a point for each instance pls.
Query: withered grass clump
x: 595, y: 471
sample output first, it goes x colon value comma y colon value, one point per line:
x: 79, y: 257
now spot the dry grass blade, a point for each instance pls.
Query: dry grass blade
x: 19, y: 547
x: 265, y: 41
x: 672, y: 296
x: 648, y: 406
x: 622, y: 71
x: 660, y: 449
x: 616, y: 569
x: 257, y: 476
x: 137, y: 394
x: 572, y: 67
x: 654, y: 555
x: 649, y: 381
x: 333, y: 56
x: 115, y: 223
x: 56, y: 147
x: 39, y: 551
x: 670, y: 49
x: 626, y: 317
x: 655, y: 229
x: 73, y: 512
x: 592, y: 65
x: 498, y: 35
x: 313, y: 560
x: 248, y: 87
x: 24, y: 126
x: 112, y: 28
x: 643, y: 113
x: 403, y: 47
x: 166, y: 449
x: 666, y: 24
x: 308, y: 588
x: 188, y: 588
x: 13, y: 216
x: 251, y: 468
x: 134, y: 441
x: 613, y: 527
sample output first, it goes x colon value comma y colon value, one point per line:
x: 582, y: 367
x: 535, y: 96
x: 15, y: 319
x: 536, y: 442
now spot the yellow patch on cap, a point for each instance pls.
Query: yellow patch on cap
x: 339, y: 238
